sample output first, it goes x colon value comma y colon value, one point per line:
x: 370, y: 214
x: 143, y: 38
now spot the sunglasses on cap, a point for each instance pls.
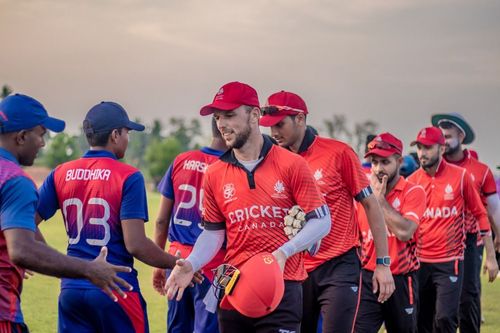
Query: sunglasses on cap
x: 382, y: 145
x: 274, y: 109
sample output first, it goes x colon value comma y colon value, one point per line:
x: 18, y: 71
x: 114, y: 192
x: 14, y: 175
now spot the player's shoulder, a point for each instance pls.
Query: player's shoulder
x: 412, y: 187
x: 284, y: 156
x: 331, y: 143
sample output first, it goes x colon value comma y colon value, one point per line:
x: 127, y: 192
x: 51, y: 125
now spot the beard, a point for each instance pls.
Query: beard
x: 241, y: 138
x: 430, y: 162
x: 452, y: 148
x: 390, y: 178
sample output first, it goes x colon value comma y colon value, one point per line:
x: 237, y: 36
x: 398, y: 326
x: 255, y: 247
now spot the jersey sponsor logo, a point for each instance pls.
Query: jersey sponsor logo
x: 396, y: 204
x: 194, y: 165
x: 440, y: 212
x: 318, y: 174
x: 279, y: 188
x: 229, y: 191
x: 88, y: 174
x: 448, y: 193
x: 453, y: 279
x: 257, y: 212
x: 354, y: 289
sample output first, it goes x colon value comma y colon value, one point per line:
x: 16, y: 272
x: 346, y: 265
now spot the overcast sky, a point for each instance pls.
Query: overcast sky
x: 393, y: 61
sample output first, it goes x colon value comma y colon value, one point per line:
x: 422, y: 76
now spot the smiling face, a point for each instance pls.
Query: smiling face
x: 235, y: 126
x: 453, y: 139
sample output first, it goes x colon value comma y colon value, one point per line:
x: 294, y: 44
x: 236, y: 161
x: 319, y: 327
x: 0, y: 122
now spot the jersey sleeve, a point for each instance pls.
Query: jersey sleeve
x: 213, y: 219
x: 489, y: 186
x: 134, y: 200
x: 166, y: 186
x: 48, y: 203
x: 474, y: 204
x: 353, y: 175
x: 414, y: 204
x: 305, y: 191
x: 19, y: 200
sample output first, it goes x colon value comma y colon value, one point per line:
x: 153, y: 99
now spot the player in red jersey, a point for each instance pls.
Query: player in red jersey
x: 403, y: 204
x: 440, y: 248
x: 179, y: 217
x: 457, y: 132
x: 247, y: 195
x: 332, y: 287
x: 23, y: 124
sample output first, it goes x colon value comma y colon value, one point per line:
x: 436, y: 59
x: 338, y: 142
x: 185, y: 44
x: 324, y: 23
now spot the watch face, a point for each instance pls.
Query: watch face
x: 387, y: 261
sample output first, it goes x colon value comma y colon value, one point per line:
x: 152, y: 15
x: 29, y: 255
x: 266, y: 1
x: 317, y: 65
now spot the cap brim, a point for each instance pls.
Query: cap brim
x: 424, y: 142
x: 382, y: 152
x: 135, y: 126
x: 218, y: 105
x: 271, y: 120
x: 54, y: 124
x: 469, y: 133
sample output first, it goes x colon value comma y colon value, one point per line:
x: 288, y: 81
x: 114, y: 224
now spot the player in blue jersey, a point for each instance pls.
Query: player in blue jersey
x: 23, y: 123
x: 180, y: 218
x: 103, y: 202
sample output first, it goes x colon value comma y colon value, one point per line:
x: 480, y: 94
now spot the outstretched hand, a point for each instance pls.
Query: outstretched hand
x: 179, y: 279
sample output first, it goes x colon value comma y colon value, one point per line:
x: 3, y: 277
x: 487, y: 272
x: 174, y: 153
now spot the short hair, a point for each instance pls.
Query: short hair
x: 216, y: 134
x: 99, y: 139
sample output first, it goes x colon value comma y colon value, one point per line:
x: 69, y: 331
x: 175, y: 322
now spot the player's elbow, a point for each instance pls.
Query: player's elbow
x: 403, y: 235
x: 134, y: 249
x: 19, y: 255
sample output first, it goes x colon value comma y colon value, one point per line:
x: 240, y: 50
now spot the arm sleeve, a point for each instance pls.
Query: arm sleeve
x: 474, y: 204
x: 212, y: 215
x: 493, y: 205
x: 414, y: 205
x: 353, y: 175
x: 313, y: 231
x: 166, y: 186
x: 489, y: 186
x: 206, y: 247
x: 48, y: 204
x: 134, y: 200
x: 19, y: 199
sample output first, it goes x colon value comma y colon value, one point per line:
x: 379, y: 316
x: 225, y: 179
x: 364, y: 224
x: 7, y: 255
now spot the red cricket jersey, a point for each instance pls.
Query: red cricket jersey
x: 251, y: 205
x: 409, y: 200
x: 484, y: 182
x: 442, y: 229
x: 341, y: 179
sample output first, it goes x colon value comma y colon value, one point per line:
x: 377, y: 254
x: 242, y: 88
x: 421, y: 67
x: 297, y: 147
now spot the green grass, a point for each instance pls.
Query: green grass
x: 39, y: 297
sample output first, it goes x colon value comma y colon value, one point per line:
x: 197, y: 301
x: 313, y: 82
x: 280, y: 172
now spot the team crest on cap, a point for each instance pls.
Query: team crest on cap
x: 423, y: 133
x: 220, y: 94
x: 448, y: 193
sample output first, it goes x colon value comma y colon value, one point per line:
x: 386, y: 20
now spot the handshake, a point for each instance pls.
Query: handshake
x: 294, y: 221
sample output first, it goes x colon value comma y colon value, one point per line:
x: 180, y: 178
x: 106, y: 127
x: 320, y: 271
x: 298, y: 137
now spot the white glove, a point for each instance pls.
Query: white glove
x: 294, y: 221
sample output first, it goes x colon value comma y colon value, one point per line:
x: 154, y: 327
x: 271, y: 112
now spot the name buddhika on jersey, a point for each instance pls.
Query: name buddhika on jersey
x: 87, y: 174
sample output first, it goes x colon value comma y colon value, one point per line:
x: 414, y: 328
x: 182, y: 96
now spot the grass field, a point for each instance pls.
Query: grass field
x: 39, y: 298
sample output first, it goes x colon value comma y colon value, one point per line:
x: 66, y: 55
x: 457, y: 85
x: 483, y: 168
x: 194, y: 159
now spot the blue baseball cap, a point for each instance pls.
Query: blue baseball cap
x: 20, y: 112
x: 107, y: 116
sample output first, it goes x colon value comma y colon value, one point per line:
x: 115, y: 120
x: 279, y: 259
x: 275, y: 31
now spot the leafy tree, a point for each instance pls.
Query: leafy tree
x: 61, y: 148
x: 185, y: 132
x: 6, y: 91
x: 159, y: 155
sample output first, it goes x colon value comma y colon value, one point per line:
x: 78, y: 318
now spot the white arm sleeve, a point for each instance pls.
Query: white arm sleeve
x: 493, y: 206
x: 313, y: 231
x: 206, y: 247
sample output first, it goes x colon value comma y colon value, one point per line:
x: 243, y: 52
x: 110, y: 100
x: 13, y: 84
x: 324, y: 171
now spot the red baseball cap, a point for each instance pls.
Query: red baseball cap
x: 280, y: 105
x: 385, y: 145
x: 429, y: 136
x: 259, y: 289
x: 231, y: 96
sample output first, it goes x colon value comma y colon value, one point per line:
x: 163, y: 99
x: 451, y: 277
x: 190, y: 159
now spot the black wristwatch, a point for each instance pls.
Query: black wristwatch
x: 386, y: 261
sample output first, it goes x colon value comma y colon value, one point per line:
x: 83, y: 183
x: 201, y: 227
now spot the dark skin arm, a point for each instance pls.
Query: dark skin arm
x: 31, y: 254
x: 160, y: 238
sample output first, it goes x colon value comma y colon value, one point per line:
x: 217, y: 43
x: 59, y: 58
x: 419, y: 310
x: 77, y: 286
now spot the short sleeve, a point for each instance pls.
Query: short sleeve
x: 305, y: 191
x: 354, y: 176
x: 414, y: 204
x: 489, y: 186
x: 19, y: 200
x: 166, y: 186
x: 48, y: 204
x: 134, y: 200
x: 213, y: 219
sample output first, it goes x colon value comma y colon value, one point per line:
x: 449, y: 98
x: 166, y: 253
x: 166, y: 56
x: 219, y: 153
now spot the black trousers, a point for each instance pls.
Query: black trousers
x: 470, y: 300
x: 399, y: 312
x: 333, y: 289
x: 285, y: 319
x: 440, y: 286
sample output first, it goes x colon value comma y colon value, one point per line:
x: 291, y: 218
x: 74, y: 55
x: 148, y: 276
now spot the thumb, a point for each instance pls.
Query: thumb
x: 485, y: 269
x: 181, y: 262
x: 103, y: 254
x: 374, y: 285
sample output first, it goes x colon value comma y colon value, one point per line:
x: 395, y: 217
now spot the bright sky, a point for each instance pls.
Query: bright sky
x: 393, y: 61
